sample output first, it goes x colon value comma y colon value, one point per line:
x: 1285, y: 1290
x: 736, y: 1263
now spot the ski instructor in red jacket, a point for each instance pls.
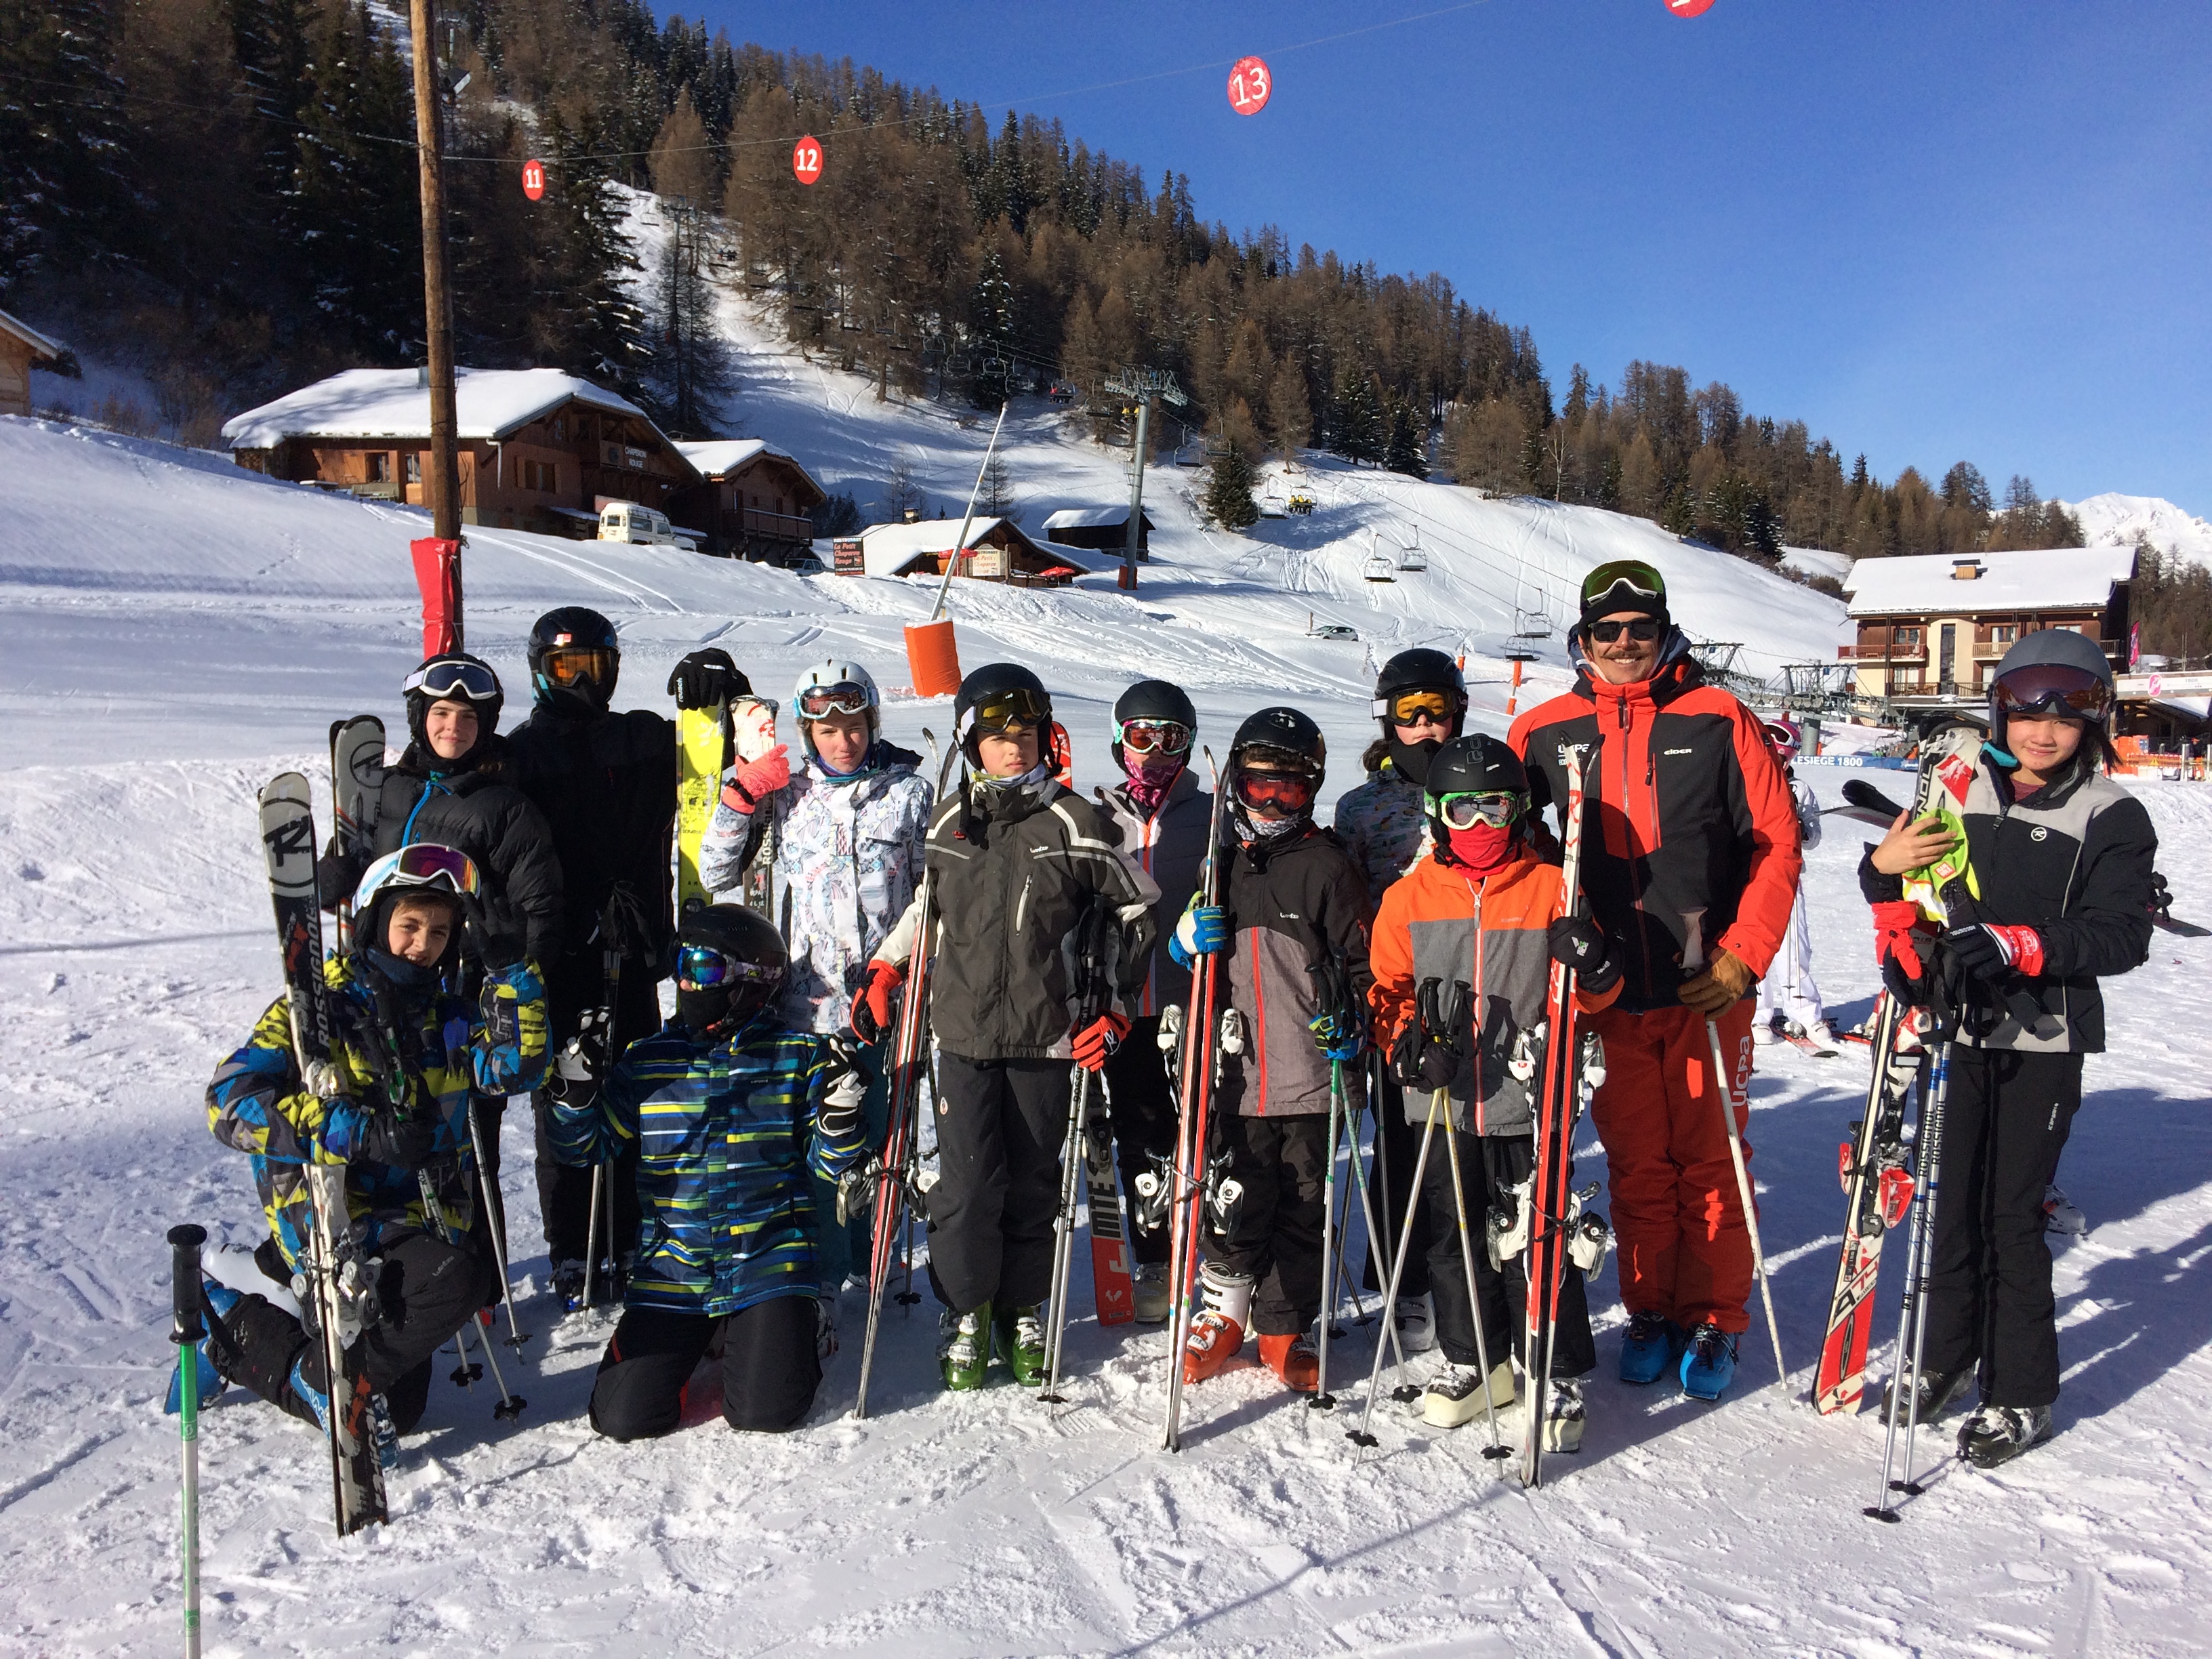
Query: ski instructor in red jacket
x: 1690, y: 859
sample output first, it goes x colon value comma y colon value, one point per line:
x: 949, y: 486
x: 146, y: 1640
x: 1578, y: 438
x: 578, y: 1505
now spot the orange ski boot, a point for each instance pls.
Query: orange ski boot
x: 1218, y: 1331
x: 1293, y: 1359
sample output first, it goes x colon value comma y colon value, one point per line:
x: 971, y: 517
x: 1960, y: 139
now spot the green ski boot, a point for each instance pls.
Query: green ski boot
x: 963, y: 1347
x: 1020, y: 1335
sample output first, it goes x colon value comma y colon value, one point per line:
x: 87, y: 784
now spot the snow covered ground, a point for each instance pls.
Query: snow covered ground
x: 177, y: 631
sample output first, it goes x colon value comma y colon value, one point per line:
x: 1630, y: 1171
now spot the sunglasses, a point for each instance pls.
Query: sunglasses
x: 1642, y: 627
x: 1143, y: 736
x: 1285, y: 789
x: 1409, y: 708
x: 1011, y: 709
x: 1632, y: 575
x: 568, y: 665
x: 1465, y: 811
x: 817, y: 701
x: 2052, y: 689
x: 700, y: 966
x: 449, y: 677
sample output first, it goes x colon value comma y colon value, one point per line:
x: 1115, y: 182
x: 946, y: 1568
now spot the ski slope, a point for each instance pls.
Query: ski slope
x: 178, y: 629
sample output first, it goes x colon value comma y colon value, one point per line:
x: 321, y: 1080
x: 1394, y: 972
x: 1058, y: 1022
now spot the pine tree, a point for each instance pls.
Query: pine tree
x: 1289, y: 416
x: 683, y: 162
x: 1406, y: 451
x: 597, y: 326
x: 1356, y: 428
x: 64, y: 136
x: 996, y: 496
x: 1228, y: 500
x: 690, y: 374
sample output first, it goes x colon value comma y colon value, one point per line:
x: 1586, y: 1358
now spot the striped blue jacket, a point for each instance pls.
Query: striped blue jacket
x: 727, y: 1134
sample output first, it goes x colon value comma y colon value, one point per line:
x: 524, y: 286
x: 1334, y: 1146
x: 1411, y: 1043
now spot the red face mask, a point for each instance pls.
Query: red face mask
x: 1483, y: 848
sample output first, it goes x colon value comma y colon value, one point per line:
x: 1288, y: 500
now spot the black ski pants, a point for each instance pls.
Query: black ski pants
x: 1144, y: 1113
x: 564, y: 1191
x: 1282, y: 1165
x: 426, y: 1290
x: 1397, y: 1144
x: 1489, y: 1168
x: 2006, y: 1117
x: 1000, y: 1126
x: 770, y: 1367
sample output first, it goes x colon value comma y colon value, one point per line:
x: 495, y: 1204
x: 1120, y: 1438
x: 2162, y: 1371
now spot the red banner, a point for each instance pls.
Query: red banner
x: 438, y: 575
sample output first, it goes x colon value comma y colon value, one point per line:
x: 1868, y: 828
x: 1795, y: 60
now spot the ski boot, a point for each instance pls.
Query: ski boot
x: 825, y: 1326
x: 1823, y: 1035
x: 384, y: 1432
x: 2062, y: 1215
x: 1454, y: 1396
x: 1294, y: 1360
x: 568, y: 1282
x: 963, y: 1347
x: 1651, y: 1345
x: 1564, y: 1416
x: 1708, y: 1363
x: 1218, y: 1331
x: 1765, y: 1033
x: 617, y: 1282
x: 1997, y: 1434
x: 1937, y: 1391
x: 1019, y: 1335
x: 1149, y: 1291
x: 1417, y: 1324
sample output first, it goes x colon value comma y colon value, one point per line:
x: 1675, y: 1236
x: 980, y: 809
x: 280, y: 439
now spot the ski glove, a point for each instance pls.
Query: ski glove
x: 492, y: 940
x: 845, y: 1084
x: 1897, y: 948
x: 574, y: 1076
x: 1336, y: 1034
x: 871, y: 1018
x: 1431, y: 1048
x: 752, y: 782
x: 1724, y: 982
x: 1096, y: 1042
x: 1578, y: 943
x: 707, y: 679
x: 1986, y: 949
x: 1203, y: 930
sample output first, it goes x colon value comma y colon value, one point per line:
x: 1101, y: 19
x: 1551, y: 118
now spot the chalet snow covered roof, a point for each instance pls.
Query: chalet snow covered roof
x: 394, y: 403
x: 41, y: 346
x: 1090, y: 518
x: 717, y: 457
x: 888, y: 549
x: 2046, y: 578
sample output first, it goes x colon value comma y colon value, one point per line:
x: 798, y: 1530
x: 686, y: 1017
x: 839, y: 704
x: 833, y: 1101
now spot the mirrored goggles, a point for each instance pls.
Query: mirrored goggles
x: 1632, y: 576
x: 1016, y: 708
x: 1408, y: 708
x: 571, y: 664
x: 422, y: 864
x: 1466, y: 810
x: 700, y: 966
x: 453, y: 677
x: 819, y: 702
x: 1639, y: 628
x: 1292, y: 791
x: 2052, y: 689
x: 1143, y: 736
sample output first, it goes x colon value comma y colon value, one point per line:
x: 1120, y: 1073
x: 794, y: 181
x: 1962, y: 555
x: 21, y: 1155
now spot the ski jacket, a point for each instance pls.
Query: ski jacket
x: 1385, y: 823
x: 1015, y: 873
x: 449, y: 1046
x: 479, y: 810
x: 1293, y: 905
x: 1429, y: 927
x: 2073, y: 861
x: 606, y: 785
x: 728, y: 1136
x: 1685, y: 814
x: 849, y: 851
x: 1169, y: 847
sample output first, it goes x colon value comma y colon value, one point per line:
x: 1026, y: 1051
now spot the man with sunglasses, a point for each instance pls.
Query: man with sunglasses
x: 1690, y: 862
x: 1421, y: 705
x: 2062, y: 857
x: 1164, y: 817
x: 1023, y: 873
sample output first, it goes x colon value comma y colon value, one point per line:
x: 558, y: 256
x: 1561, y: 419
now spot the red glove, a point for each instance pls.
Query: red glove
x: 1897, y: 949
x: 1096, y: 1042
x: 752, y: 780
x: 871, y: 1005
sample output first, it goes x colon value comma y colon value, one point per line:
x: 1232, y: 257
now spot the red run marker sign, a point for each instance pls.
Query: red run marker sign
x: 1250, y: 83
x: 1689, y: 8
x: 806, y: 160
x: 533, y: 179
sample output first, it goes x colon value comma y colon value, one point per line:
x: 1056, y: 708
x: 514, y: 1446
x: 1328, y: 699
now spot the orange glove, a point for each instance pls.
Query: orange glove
x: 1725, y: 982
x: 753, y: 781
x: 871, y: 1005
x: 1096, y: 1042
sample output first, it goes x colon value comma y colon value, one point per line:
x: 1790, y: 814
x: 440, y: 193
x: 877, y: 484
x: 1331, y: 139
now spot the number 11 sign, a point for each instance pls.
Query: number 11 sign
x: 1249, y: 85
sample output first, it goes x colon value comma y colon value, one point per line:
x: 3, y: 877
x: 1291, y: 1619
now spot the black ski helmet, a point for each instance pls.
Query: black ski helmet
x: 1153, y: 700
x: 574, y: 627
x: 461, y: 682
x: 1476, y: 764
x: 1420, y: 669
x: 993, y: 681
x: 1280, y: 740
x: 750, y: 941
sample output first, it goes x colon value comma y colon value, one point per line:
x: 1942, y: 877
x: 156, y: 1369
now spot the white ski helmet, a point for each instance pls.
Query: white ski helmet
x: 834, y: 687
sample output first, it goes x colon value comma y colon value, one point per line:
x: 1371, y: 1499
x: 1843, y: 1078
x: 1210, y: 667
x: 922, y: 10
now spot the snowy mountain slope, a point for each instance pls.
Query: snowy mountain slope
x: 2113, y: 520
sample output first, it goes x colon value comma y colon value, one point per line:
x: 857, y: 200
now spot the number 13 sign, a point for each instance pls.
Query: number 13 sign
x: 1250, y: 84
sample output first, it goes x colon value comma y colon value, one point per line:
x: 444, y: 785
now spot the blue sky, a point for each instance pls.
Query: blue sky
x: 1935, y: 229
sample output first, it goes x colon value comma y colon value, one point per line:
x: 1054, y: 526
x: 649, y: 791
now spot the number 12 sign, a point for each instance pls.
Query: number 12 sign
x: 1689, y: 8
x: 806, y: 160
x: 1249, y: 85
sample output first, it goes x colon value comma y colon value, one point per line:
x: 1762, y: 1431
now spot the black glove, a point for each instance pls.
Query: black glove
x: 1578, y: 943
x: 707, y: 679
x: 491, y: 935
x: 845, y: 1079
x: 1433, y: 1046
x: 337, y: 874
x: 574, y: 1076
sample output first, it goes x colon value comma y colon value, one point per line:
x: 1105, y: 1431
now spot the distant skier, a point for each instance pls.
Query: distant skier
x: 1020, y: 862
x: 738, y: 1120
x: 2062, y: 857
x: 392, y: 1108
x: 1788, y: 994
x: 1164, y: 814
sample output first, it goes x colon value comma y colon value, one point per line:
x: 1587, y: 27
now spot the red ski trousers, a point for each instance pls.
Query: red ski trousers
x: 1685, y: 1252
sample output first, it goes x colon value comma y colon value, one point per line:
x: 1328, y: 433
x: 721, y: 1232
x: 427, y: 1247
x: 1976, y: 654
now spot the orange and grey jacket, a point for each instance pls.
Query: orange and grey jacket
x: 1429, y: 927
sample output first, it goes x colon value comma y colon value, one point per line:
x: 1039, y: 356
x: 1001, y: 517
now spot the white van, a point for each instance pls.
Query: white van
x: 631, y: 521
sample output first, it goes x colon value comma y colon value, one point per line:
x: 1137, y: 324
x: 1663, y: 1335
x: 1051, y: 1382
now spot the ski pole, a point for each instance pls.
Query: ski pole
x: 1322, y: 1399
x: 1373, y: 1233
x: 1912, y: 1314
x: 591, y: 1232
x: 494, y: 1214
x: 1361, y: 1436
x: 1497, y: 1448
x: 1063, y: 1253
x: 184, y: 1242
x: 1378, y: 1239
x: 510, y: 1405
x: 1727, y: 1091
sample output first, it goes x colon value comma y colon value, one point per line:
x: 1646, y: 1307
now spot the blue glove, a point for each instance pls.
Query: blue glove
x: 1336, y: 1035
x: 1203, y: 930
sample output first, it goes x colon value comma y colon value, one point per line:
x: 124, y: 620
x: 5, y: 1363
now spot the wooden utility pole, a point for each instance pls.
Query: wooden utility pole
x: 441, y: 482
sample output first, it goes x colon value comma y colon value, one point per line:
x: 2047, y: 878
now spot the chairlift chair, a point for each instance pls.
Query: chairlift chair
x: 1412, y: 557
x: 1380, y: 566
x: 1531, y: 625
x: 1272, y: 506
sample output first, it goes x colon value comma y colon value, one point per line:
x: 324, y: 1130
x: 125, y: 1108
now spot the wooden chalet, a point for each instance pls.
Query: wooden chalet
x: 1100, y: 529
x: 753, y: 501
x: 996, y: 551
x: 21, y: 346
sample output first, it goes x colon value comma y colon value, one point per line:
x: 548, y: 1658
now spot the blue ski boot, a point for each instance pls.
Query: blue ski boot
x: 220, y: 1299
x: 1709, y: 1366
x: 1650, y: 1347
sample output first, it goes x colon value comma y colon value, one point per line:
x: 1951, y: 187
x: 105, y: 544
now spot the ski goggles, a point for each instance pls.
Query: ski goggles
x: 421, y: 864
x: 820, y: 702
x: 1291, y: 791
x: 1020, y: 706
x: 1782, y: 737
x: 453, y: 676
x: 1468, y: 808
x: 1144, y: 737
x: 2052, y: 689
x: 570, y: 665
x: 1638, y: 628
x: 698, y: 967
x: 1631, y: 579
x: 1410, y: 707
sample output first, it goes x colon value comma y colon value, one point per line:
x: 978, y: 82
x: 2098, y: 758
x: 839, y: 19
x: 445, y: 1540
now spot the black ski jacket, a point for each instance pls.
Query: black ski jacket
x: 2073, y: 861
x: 1169, y: 847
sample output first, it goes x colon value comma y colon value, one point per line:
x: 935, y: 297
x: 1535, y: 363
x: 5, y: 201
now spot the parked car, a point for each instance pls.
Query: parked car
x: 1336, y: 631
x: 640, y: 526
